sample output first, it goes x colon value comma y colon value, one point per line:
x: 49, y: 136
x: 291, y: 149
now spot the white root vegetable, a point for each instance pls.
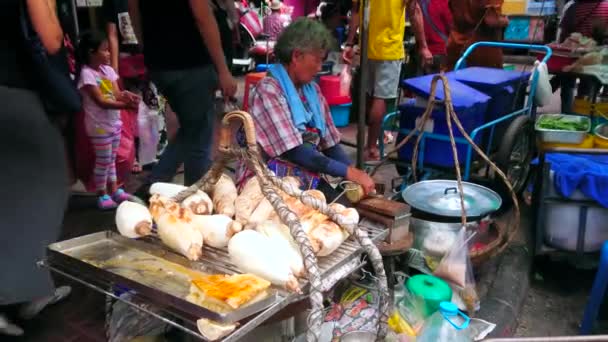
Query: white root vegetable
x: 166, y: 189
x: 224, y: 195
x: 248, y: 200
x: 176, y: 228
x: 254, y: 253
x: 216, y: 229
x: 261, y: 213
x: 327, y: 236
x: 199, y: 203
x: 289, y: 250
x: 133, y: 220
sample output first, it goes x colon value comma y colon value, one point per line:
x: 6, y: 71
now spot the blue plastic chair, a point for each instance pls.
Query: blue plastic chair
x: 597, y: 293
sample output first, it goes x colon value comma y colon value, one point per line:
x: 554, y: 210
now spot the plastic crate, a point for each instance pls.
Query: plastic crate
x: 501, y: 85
x: 438, y: 152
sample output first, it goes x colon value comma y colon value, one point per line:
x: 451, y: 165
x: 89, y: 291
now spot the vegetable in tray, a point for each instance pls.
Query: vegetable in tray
x: 562, y: 123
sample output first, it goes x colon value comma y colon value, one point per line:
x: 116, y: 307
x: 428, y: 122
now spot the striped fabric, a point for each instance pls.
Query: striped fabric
x: 105, y: 147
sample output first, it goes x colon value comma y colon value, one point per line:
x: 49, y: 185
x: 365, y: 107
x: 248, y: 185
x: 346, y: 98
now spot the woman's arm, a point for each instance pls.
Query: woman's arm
x: 43, y: 14
x: 414, y: 13
x: 336, y: 152
x: 309, y: 158
x: 136, y: 20
x: 210, y: 33
x: 312, y: 160
x: 100, y: 100
x: 113, y: 42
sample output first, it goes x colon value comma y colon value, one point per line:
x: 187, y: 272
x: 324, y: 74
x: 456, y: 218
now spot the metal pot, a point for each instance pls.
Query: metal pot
x: 440, y: 201
x: 422, y: 228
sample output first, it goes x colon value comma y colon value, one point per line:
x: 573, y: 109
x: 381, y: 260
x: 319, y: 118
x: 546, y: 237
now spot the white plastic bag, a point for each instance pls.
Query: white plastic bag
x: 544, y: 93
x: 149, y: 136
x: 345, y: 79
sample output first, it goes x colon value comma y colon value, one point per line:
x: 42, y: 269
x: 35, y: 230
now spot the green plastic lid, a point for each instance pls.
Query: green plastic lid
x: 431, y: 290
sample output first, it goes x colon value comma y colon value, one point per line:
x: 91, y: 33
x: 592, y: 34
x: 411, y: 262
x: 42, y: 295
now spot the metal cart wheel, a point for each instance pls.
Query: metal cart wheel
x: 516, y: 151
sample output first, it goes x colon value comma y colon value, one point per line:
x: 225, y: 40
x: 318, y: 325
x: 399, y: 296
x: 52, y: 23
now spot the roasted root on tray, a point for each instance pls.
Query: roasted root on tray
x: 265, y: 248
x: 199, y: 203
x: 216, y: 229
x: 176, y: 227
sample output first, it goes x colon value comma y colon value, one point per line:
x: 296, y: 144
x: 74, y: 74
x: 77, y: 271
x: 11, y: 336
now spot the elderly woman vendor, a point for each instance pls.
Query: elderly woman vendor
x: 292, y: 119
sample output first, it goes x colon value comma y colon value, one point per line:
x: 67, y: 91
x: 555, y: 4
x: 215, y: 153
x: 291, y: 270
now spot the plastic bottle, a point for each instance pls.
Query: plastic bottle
x: 446, y: 325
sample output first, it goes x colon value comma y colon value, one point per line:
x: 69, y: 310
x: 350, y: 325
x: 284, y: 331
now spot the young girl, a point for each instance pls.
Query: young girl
x: 102, y: 101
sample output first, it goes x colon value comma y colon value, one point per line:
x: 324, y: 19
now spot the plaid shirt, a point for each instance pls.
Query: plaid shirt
x: 275, y: 130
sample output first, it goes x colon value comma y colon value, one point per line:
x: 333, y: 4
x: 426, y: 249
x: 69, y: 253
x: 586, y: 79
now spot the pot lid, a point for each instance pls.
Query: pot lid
x: 441, y: 197
x: 429, y: 287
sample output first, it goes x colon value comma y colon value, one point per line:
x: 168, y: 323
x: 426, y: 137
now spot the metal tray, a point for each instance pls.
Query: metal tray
x: 75, y: 257
x: 149, y: 269
x: 560, y: 136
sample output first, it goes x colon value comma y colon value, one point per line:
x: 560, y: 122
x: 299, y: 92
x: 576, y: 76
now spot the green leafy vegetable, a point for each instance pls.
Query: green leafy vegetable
x: 562, y: 123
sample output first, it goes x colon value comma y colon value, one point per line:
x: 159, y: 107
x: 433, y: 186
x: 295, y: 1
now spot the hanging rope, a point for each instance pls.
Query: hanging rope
x: 270, y: 186
x: 505, y: 237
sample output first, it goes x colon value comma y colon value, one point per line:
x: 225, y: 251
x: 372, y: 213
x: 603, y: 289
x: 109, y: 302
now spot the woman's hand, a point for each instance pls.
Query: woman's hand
x: 360, y: 177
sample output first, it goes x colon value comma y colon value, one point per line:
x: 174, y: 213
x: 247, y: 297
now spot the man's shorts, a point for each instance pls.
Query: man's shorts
x: 383, y: 78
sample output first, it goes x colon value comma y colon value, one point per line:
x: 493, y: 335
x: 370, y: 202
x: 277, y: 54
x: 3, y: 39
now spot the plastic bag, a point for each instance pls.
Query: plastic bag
x: 411, y: 310
x: 345, y: 79
x: 456, y: 268
x: 544, y: 92
x: 149, y: 135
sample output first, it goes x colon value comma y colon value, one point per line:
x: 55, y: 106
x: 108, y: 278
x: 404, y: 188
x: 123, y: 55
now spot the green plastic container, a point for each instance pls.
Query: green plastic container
x: 429, y: 291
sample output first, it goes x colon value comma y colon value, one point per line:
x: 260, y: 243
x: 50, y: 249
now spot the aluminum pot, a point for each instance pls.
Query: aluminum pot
x: 439, y: 201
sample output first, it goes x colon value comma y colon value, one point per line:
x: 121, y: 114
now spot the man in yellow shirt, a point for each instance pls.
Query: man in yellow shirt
x: 385, y: 54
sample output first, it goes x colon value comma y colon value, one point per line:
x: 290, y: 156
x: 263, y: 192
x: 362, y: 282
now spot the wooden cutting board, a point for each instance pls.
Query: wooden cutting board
x: 384, y: 207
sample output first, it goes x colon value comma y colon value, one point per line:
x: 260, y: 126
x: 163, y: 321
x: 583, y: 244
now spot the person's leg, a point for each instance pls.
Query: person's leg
x: 102, y: 146
x: 118, y: 194
x: 172, y: 156
x: 196, y: 133
x: 386, y: 86
x: 376, y: 113
x: 112, y: 179
x: 190, y: 94
x: 567, y: 93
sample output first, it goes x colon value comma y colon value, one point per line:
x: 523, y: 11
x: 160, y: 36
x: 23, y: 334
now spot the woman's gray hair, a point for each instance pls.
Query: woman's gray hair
x: 305, y: 35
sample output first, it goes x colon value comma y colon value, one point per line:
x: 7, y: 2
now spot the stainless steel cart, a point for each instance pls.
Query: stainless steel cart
x: 87, y: 260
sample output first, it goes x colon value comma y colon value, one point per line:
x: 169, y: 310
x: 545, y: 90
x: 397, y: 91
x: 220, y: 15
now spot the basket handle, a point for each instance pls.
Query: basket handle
x: 225, y: 141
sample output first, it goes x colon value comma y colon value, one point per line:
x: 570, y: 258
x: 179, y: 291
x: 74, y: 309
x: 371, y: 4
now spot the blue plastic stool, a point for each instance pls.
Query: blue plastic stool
x: 597, y: 293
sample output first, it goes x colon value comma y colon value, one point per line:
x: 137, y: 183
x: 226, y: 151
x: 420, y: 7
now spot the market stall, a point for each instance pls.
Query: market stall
x: 196, y: 268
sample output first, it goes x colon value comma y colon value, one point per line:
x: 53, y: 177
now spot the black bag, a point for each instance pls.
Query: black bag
x: 49, y: 74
